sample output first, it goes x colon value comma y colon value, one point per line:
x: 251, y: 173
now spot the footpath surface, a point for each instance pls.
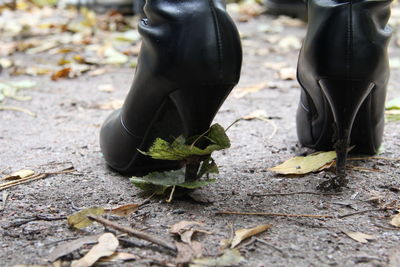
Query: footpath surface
x: 64, y: 133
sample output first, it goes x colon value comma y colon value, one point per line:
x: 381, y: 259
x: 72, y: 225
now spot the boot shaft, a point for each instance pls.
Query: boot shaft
x: 196, y: 37
x: 347, y: 39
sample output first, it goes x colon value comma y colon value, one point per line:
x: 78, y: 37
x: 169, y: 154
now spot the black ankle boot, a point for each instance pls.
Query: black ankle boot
x: 343, y: 71
x: 189, y: 62
x: 292, y: 8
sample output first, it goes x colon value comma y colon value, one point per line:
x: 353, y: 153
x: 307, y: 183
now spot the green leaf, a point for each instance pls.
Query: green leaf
x: 159, y: 182
x: 179, y: 150
x: 208, y: 166
x: 230, y: 257
x: 393, y: 104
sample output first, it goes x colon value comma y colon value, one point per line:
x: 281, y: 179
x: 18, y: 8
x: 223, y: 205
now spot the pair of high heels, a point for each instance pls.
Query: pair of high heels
x: 191, y: 59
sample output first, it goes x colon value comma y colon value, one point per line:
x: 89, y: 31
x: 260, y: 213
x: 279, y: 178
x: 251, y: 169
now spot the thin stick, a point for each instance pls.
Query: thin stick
x: 274, y: 214
x: 33, y: 178
x: 3, y: 170
x: 293, y: 193
x: 361, y: 212
x: 26, y: 111
x: 171, y: 196
x: 271, y: 246
x: 38, y: 217
x: 4, y: 200
x: 133, y: 232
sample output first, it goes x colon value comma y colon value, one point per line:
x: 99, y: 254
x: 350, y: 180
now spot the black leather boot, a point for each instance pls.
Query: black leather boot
x: 343, y: 71
x: 292, y: 8
x: 189, y: 62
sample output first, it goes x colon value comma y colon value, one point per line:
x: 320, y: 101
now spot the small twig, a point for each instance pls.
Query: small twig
x: 4, y: 200
x: 382, y: 158
x: 133, y: 232
x: 147, y: 200
x: 271, y: 246
x: 26, y: 111
x: 171, y: 195
x: 233, y: 123
x: 33, y: 178
x: 358, y: 168
x: 362, y: 212
x: 274, y: 214
x: 387, y: 228
x: 3, y: 170
x: 38, y: 217
x: 293, y: 193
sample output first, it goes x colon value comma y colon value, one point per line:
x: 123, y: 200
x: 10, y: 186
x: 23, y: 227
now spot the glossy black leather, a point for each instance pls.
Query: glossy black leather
x: 189, y: 61
x: 293, y: 8
x: 347, y: 41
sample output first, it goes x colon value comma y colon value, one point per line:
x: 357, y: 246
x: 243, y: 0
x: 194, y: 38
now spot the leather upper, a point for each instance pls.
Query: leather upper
x: 346, y: 40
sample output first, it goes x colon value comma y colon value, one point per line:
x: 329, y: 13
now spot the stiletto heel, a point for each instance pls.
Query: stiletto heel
x: 345, y: 98
x: 340, y: 85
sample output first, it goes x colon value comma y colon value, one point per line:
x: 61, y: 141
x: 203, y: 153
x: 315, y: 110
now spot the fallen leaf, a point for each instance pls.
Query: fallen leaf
x: 159, y: 182
x: 360, y: 237
x: 115, y: 57
x: 111, y: 105
x: 107, y: 245
x: 124, y: 210
x: 289, y: 43
x: 393, y: 104
x: 243, y: 234
x: 304, y: 165
x: 63, y: 73
x: 230, y: 257
x: 395, y: 220
x: 71, y: 246
x: 179, y: 150
x: 106, y: 88
x: 187, y: 252
x: 287, y: 74
x: 80, y: 220
x: 185, y: 229
x: 18, y: 175
x: 241, y: 92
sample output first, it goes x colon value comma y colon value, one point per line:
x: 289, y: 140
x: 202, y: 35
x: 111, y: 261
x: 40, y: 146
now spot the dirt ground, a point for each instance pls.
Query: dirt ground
x: 65, y: 133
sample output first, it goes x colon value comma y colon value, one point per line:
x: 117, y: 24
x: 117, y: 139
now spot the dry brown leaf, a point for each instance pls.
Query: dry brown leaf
x: 183, y: 226
x: 360, y: 237
x: 18, y: 175
x: 304, y: 165
x: 61, y: 74
x: 185, y: 229
x: 241, y: 92
x: 97, y: 72
x: 287, y: 74
x: 108, y: 88
x: 244, y: 233
x: 113, y: 105
x: 71, y: 246
x: 124, y: 210
x: 395, y: 220
x: 80, y: 220
x: 231, y: 257
x: 107, y: 245
x: 188, y: 252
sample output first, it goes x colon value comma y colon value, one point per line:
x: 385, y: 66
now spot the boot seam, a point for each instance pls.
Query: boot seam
x: 218, y: 37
